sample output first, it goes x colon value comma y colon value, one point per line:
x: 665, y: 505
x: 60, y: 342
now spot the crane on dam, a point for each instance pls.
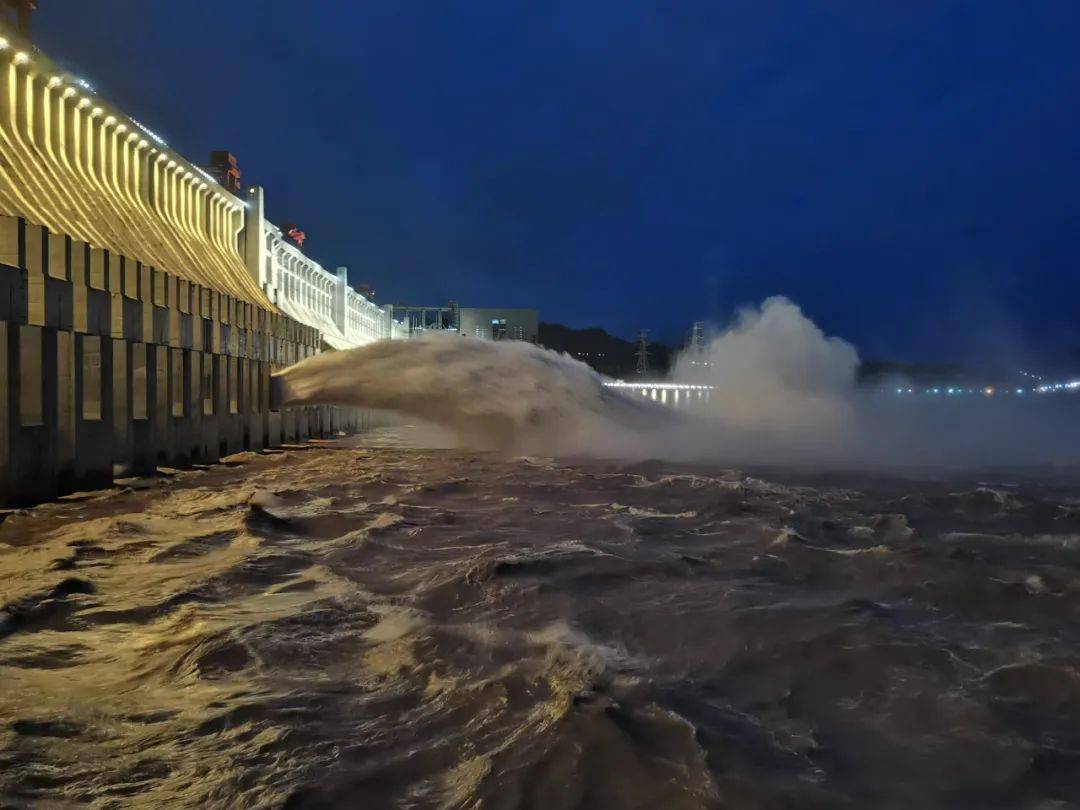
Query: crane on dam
x: 23, y: 9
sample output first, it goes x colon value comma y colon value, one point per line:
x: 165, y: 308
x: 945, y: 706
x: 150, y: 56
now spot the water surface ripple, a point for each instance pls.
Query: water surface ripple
x: 368, y: 624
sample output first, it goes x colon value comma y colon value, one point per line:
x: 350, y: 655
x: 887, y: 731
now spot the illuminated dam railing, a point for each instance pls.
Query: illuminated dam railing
x: 677, y: 395
x: 304, y: 290
x: 79, y: 167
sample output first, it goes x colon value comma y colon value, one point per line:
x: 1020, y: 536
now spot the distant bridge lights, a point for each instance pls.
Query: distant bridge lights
x: 663, y: 391
x: 658, y: 386
x: 674, y: 394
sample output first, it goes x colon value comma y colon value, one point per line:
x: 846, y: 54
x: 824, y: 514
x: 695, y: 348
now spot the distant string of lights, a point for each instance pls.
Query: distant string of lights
x: 990, y: 390
x: 947, y: 391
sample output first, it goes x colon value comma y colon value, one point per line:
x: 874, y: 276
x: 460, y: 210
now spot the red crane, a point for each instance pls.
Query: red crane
x: 23, y: 10
x: 294, y: 233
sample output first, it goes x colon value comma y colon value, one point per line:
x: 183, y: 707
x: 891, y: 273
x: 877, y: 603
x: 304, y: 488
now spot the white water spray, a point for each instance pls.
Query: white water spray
x: 783, y: 393
x: 775, y: 369
x: 511, y: 396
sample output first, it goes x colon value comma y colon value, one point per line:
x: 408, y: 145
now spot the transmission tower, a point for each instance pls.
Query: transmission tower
x: 697, y: 337
x: 642, y: 353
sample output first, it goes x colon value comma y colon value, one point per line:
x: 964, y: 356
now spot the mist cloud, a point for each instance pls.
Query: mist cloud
x: 783, y: 393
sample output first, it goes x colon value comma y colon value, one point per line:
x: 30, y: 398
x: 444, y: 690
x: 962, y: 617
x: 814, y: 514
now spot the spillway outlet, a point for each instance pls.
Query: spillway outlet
x: 277, y: 392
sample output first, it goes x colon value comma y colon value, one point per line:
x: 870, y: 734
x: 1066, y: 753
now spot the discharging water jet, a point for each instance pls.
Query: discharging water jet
x: 506, y: 395
x: 783, y: 392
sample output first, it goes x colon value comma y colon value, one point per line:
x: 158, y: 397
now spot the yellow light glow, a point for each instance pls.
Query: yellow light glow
x: 59, y: 172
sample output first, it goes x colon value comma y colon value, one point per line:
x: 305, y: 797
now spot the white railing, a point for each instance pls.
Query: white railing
x: 304, y: 290
x: 76, y: 165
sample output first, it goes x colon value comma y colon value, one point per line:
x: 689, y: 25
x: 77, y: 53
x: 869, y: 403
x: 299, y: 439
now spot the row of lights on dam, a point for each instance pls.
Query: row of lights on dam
x: 22, y: 58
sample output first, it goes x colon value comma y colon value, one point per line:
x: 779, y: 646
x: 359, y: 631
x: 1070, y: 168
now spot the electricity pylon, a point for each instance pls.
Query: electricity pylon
x: 642, y: 353
x: 697, y: 337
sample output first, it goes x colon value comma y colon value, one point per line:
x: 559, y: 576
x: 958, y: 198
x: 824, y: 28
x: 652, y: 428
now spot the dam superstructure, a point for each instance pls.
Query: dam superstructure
x: 143, y: 307
x: 301, y: 288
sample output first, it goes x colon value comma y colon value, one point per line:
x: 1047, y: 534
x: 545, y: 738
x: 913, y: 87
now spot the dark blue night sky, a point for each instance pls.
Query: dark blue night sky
x: 907, y: 170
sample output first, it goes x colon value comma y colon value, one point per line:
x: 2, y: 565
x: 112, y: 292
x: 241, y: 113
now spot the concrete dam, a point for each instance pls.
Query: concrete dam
x: 143, y: 306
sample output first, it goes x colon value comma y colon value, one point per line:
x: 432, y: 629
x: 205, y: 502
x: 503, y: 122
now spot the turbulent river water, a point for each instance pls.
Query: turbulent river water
x: 369, y: 624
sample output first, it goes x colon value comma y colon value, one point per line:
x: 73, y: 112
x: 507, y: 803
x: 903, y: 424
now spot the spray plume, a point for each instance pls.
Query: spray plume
x: 509, y: 396
x: 783, y: 393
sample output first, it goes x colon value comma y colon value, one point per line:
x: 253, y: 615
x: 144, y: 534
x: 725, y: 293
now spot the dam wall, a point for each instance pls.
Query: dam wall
x: 130, y: 368
x: 136, y: 328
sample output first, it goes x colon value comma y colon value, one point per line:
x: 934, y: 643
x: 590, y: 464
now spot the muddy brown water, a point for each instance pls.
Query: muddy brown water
x: 368, y: 624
